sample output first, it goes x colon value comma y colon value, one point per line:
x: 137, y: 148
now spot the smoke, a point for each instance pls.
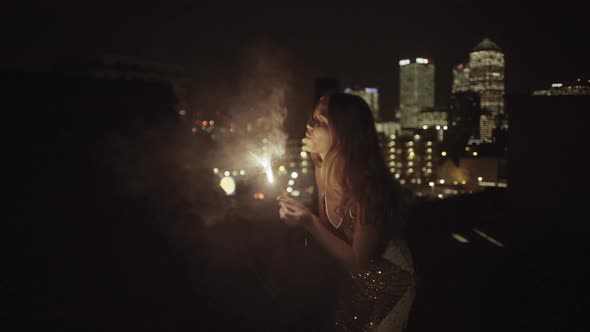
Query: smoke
x: 257, y: 108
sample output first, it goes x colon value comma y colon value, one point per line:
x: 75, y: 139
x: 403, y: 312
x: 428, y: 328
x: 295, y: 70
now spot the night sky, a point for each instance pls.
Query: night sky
x: 357, y: 44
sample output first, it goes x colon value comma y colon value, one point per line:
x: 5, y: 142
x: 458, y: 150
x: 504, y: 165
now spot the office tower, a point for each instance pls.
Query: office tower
x: 416, y: 90
x: 486, y: 77
x: 460, y: 78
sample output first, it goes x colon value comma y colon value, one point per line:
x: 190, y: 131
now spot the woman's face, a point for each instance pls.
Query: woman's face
x: 318, y: 137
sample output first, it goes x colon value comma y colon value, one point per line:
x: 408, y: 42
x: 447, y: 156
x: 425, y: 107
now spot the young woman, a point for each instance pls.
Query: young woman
x: 359, y: 221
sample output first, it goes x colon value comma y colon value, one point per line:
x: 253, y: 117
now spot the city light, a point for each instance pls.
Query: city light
x: 216, y: 170
x: 475, y: 153
x: 289, y: 189
x: 437, y: 127
x: 489, y: 238
x: 295, y: 193
x: 294, y: 175
x: 404, y: 62
x: 444, y: 153
x: 282, y: 168
x: 303, y: 154
x: 424, y: 127
x: 242, y: 172
x: 479, y: 178
x: 234, y: 173
x: 304, y: 170
x: 459, y: 238
x: 226, y: 173
x: 441, y: 181
x: 445, y: 127
x: 422, y: 61
x: 431, y: 184
x: 211, y: 123
x: 291, y: 182
x: 228, y: 185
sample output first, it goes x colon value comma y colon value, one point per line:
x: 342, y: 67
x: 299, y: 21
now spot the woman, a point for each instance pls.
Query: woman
x: 359, y: 221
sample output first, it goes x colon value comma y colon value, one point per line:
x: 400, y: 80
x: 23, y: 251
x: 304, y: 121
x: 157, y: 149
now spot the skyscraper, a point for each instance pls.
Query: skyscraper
x: 416, y: 90
x: 460, y: 78
x: 371, y: 96
x: 486, y: 77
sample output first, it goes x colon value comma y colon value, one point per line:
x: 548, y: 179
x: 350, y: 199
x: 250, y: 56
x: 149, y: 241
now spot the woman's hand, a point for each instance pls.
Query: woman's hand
x: 293, y: 213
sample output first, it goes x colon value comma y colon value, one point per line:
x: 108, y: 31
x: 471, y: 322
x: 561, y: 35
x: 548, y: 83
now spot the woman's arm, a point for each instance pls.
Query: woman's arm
x: 364, y: 241
x: 356, y: 256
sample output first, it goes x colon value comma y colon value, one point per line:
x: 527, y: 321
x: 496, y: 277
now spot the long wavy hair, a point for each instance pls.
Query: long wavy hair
x: 354, y: 167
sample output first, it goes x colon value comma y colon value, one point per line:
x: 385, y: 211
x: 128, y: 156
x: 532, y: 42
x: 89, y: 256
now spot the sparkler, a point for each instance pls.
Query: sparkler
x: 265, y: 163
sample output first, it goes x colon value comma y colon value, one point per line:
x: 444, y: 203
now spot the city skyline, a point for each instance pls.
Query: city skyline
x: 338, y: 42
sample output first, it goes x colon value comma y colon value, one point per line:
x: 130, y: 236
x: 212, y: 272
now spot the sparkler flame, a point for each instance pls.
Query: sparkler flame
x: 265, y: 163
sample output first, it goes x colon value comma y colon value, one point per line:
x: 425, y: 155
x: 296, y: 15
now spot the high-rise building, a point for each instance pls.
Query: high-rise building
x: 460, y: 78
x: 370, y: 95
x: 486, y: 77
x: 416, y: 90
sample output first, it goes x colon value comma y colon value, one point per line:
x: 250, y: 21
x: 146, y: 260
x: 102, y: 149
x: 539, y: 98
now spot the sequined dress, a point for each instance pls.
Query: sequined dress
x: 381, y: 297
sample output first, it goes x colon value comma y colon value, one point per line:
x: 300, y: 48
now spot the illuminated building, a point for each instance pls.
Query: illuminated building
x: 486, y: 127
x: 371, y: 96
x: 388, y: 128
x: 577, y: 88
x: 486, y: 77
x: 411, y: 159
x: 461, y: 78
x: 433, y: 117
x: 416, y: 90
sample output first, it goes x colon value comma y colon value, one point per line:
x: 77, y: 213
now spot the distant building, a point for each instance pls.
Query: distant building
x: 388, y: 128
x: 486, y: 77
x: 464, y: 114
x: 370, y: 95
x: 461, y: 78
x: 578, y: 88
x: 433, y: 117
x: 416, y: 90
x: 411, y: 159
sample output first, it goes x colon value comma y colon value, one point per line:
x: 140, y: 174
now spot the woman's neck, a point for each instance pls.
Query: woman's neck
x: 323, y: 155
